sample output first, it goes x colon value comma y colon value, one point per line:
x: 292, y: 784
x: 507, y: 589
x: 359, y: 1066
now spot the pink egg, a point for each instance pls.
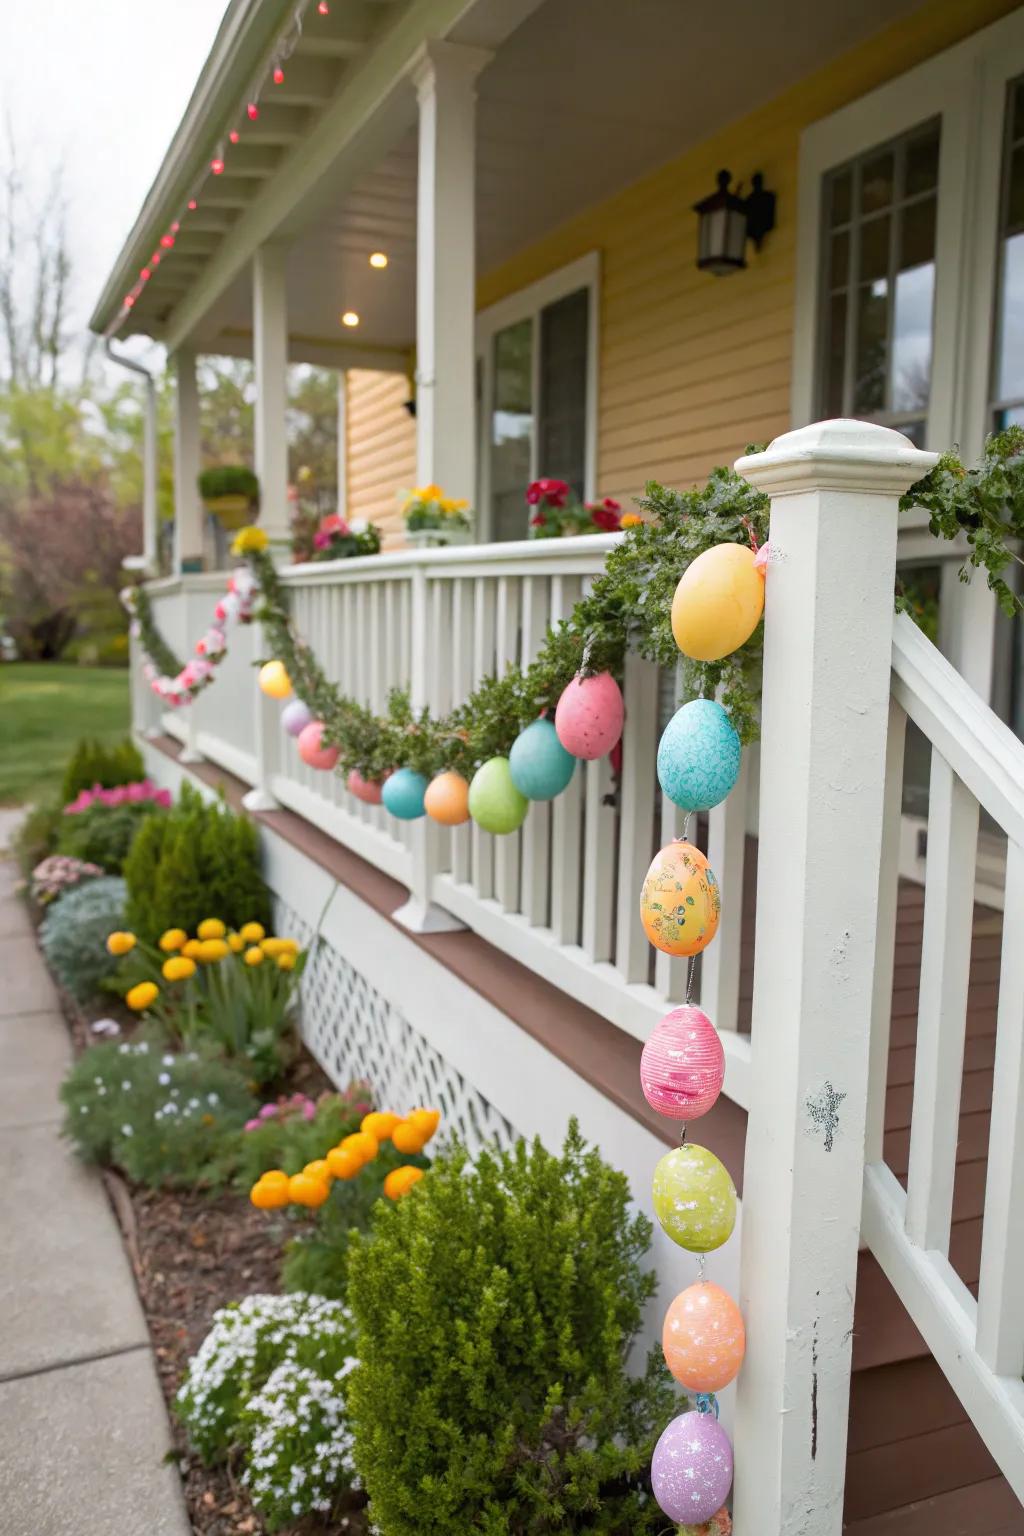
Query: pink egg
x: 310, y: 749
x: 367, y: 790
x: 682, y: 1067
x: 589, y: 716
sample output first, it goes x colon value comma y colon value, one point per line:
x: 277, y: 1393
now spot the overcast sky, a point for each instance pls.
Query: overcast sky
x: 99, y: 86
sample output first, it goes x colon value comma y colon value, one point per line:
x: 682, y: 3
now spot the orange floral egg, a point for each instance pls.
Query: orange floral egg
x: 680, y: 903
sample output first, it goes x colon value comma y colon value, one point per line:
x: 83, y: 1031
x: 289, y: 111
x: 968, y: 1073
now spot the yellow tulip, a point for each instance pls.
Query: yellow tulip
x: 249, y: 539
x: 142, y: 995
x: 211, y: 950
x: 178, y: 968
x: 286, y: 962
x: 120, y: 943
x: 211, y: 928
x: 236, y: 943
x: 273, y: 947
x: 192, y: 948
x: 172, y: 939
x: 252, y: 932
x: 253, y: 956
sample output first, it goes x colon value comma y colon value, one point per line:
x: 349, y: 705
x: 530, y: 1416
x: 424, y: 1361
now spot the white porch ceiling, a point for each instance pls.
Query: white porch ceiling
x: 581, y: 99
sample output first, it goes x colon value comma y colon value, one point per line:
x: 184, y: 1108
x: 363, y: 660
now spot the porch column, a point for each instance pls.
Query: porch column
x: 188, y: 509
x: 342, y: 456
x: 835, y: 489
x: 270, y: 355
x: 445, y: 78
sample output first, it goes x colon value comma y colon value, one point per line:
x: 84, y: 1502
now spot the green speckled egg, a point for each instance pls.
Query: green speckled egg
x: 694, y: 1198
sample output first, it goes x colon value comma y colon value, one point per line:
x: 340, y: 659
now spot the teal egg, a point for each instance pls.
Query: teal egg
x: 698, y: 756
x: 403, y: 793
x: 495, y: 803
x: 541, y: 767
x: 694, y: 1198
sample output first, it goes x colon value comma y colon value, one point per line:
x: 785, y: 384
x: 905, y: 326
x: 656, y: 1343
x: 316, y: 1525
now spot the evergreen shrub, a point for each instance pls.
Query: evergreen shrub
x: 95, y: 762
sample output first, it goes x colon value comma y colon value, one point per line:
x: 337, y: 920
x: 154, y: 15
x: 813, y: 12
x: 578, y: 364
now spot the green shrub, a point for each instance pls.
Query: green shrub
x: 94, y: 762
x: 270, y: 1378
x: 198, y: 860
x: 495, y: 1306
x: 161, y: 1118
x: 74, y: 931
x: 103, y: 834
x: 36, y: 837
x: 228, y: 480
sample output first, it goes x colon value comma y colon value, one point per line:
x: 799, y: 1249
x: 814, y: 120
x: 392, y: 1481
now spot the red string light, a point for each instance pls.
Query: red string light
x: 192, y: 205
x: 278, y: 75
x: 145, y: 274
x: 154, y: 260
x: 175, y: 227
x: 233, y: 136
x: 253, y: 110
x: 167, y: 241
x: 217, y: 165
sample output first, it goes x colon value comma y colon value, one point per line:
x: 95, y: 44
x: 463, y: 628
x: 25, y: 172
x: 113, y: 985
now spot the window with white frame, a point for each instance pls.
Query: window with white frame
x: 537, y: 371
x: 1007, y: 407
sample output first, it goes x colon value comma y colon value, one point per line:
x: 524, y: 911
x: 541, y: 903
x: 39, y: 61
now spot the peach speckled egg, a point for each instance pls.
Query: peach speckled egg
x: 718, y: 602
x: 683, y: 1065
x: 447, y: 799
x: 704, y: 1338
x: 589, y: 716
x: 680, y: 903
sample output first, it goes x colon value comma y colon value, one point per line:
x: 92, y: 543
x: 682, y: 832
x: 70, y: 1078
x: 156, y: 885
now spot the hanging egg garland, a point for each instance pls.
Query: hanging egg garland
x: 274, y: 680
x: 541, y: 767
x: 703, y: 1338
x: 718, y: 603
x: 295, y: 717
x: 447, y: 799
x: 403, y: 794
x: 691, y: 1470
x: 495, y: 803
x: 694, y: 1198
x: 312, y: 750
x: 680, y: 903
x: 682, y: 1067
x: 589, y: 716
x: 698, y: 756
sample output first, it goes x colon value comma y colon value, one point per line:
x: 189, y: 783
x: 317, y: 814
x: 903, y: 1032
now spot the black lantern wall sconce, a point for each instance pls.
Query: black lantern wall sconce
x: 727, y: 220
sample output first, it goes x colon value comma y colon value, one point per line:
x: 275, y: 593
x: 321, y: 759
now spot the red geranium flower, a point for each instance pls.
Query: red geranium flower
x: 604, y: 517
x: 538, y: 520
x: 333, y: 523
x: 554, y: 492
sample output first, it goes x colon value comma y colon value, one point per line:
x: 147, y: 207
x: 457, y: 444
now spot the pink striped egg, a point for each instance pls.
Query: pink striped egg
x: 682, y: 1067
x: 589, y: 716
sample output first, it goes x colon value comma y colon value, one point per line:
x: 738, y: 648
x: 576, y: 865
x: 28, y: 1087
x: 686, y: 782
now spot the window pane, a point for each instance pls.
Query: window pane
x: 872, y: 315
x: 1008, y: 362
x: 876, y: 182
x: 922, y: 172
x: 511, y: 429
x: 841, y: 198
x: 1014, y: 221
x: 836, y: 356
x: 917, y: 234
x: 840, y: 259
x: 912, y: 338
x: 1017, y: 128
x: 874, y: 248
x: 1010, y: 372
x: 562, y: 434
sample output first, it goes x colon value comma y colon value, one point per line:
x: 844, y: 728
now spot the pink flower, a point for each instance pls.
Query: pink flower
x: 251, y: 1125
x: 321, y: 541
x: 220, y: 612
x: 268, y: 1111
x: 309, y: 1109
x: 538, y: 520
x: 333, y: 523
x: 163, y: 798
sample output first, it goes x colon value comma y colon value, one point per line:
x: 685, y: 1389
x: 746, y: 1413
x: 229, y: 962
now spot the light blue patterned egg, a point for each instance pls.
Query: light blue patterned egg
x: 403, y: 794
x: 698, y: 756
x: 541, y: 767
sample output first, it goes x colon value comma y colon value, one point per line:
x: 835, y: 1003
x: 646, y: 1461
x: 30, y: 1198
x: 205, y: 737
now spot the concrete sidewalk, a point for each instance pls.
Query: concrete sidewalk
x: 83, y: 1429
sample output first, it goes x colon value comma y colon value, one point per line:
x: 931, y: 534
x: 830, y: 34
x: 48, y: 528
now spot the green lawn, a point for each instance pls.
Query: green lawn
x: 44, y: 708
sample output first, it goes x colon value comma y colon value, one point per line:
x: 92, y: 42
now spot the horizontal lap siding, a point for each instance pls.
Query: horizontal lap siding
x: 381, y: 449
x: 691, y: 367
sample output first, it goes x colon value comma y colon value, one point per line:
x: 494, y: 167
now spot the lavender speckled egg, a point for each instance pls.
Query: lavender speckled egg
x: 683, y: 1065
x: 295, y: 717
x: 589, y: 716
x: 691, y: 1470
x: 698, y: 756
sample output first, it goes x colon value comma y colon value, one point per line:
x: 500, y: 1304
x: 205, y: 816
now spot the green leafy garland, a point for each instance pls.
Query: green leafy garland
x: 629, y: 606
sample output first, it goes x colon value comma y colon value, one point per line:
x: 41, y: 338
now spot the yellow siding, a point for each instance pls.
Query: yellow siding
x: 381, y: 454
x: 692, y: 367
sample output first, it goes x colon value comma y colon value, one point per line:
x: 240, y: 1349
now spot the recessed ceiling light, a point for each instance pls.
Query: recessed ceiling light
x: 350, y: 317
x: 378, y: 259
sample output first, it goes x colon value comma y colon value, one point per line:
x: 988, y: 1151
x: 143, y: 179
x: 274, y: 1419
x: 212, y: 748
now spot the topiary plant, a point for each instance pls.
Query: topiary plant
x: 495, y: 1307
x: 103, y: 834
x: 95, y: 762
x: 73, y: 935
x: 195, y: 861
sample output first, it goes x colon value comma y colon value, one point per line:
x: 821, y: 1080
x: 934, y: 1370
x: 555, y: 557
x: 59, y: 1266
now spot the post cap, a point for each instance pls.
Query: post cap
x: 841, y: 455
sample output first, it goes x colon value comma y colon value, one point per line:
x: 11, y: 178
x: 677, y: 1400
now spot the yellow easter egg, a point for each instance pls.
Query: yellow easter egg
x: 718, y: 603
x: 680, y: 903
x: 274, y: 680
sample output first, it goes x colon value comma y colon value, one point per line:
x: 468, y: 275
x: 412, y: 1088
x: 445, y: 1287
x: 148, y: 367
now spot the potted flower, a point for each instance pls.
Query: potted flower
x: 557, y: 513
x: 332, y: 538
x: 432, y: 518
x: 231, y: 492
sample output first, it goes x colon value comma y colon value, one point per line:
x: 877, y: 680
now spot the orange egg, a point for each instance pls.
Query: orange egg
x: 704, y: 1338
x: 426, y: 1121
x: 680, y: 903
x: 408, y: 1137
x: 400, y: 1180
x: 362, y: 1144
x: 342, y: 1163
x: 304, y: 1190
x: 447, y: 799
x: 379, y: 1124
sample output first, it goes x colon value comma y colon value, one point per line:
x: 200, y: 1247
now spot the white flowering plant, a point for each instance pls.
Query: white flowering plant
x: 162, y: 1118
x: 270, y: 1380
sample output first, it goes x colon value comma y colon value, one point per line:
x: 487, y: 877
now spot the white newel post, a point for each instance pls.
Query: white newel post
x: 828, y: 640
x: 444, y: 75
x: 188, y: 509
x: 270, y: 355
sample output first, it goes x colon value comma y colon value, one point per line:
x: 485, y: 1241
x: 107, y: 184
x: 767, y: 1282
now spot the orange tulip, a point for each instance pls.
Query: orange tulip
x: 343, y: 1163
x: 308, y: 1191
x: 408, y: 1137
x: 269, y: 1196
x: 400, y: 1180
x: 379, y: 1123
x: 362, y: 1144
x: 426, y: 1121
